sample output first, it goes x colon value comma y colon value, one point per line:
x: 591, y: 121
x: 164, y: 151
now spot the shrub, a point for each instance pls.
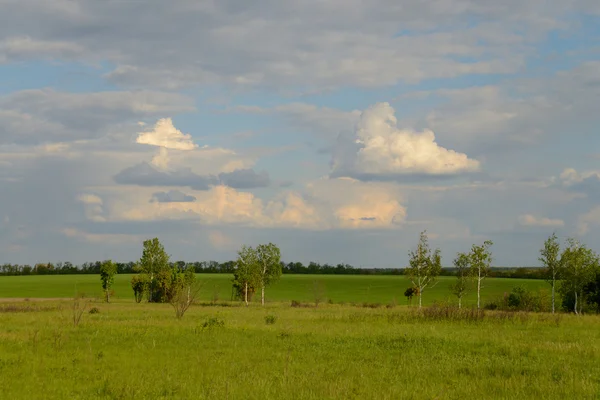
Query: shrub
x: 270, y: 319
x: 213, y: 322
x: 94, y: 310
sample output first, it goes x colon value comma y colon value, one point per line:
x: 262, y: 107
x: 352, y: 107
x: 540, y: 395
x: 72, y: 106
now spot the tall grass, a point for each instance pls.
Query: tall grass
x: 131, y: 350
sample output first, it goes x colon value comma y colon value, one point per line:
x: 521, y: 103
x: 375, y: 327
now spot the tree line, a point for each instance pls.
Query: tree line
x: 228, y: 267
x: 573, y: 271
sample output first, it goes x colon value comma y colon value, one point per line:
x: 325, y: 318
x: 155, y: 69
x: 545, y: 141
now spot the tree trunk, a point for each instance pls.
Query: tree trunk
x: 459, y: 302
x: 420, y: 303
x: 553, y: 295
x: 246, y: 293
x: 576, y: 303
x: 479, y: 291
x: 262, y: 295
x: 107, y: 296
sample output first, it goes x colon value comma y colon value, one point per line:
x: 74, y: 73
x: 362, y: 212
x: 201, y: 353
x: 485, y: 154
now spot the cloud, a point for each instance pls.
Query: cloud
x: 531, y: 220
x: 245, y: 179
x: 23, y: 48
x: 45, y: 115
x: 172, y: 196
x: 322, y: 122
x: 381, y: 151
x: 350, y: 43
x: 144, y: 174
x: 166, y: 135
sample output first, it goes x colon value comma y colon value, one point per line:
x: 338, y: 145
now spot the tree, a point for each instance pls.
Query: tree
x: 155, y: 264
x: 245, y: 276
x: 108, y: 270
x: 463, y: 277
x: 424, y: 266
x: 579, y: 266
x: 183, y: 291
x: 409, y: 293
x: 268, y: 257
x: 480, y: 260
x: 551, y: 260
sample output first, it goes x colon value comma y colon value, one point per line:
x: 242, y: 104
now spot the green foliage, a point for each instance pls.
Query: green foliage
x: 270, y: 319
x: 579, y: 267
x: 256, y: 268
x: 480, y: 261
x: 139, y: 284
x: 463, y: 277
x: 108, y: 270
x: 409, y: 293
x: 424, y: 266
x: 213, y: 322
x: 592, y: 292
x: 551, y: 260
x: 246, y: 276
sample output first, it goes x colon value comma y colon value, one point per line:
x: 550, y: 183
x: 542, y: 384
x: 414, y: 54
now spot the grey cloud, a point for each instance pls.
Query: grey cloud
x: 245, y: 179
x: 172, y: 196
x: 144, y: 174
x: 46, y: 115
x: 250, y: 45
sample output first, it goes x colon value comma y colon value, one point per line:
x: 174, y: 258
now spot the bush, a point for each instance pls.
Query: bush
x: 270, y: 319
x: 213, y: 322
x: 94, y: 310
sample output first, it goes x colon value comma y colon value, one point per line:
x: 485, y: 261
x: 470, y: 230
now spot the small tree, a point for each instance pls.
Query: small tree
x: 579, y: 268
x: 409, y: 293
x: 268, y: 257
x: 155, y: 264
x: 246, y: 274
x: 184, y: 292
x: 138, y: 284
x: 424, y: 266
x: 480, y: 260
x: 551, y: 260
x: 463, y: 277
x: 108, y: 270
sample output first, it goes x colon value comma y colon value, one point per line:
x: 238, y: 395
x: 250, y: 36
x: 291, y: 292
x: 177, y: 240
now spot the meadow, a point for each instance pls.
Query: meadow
x: 383, y: 289
x: 225, y: 350
x: 134, y: 351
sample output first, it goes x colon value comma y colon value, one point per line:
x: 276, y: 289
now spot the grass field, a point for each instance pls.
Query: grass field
x: 338, y: 288
x: 140, y: 351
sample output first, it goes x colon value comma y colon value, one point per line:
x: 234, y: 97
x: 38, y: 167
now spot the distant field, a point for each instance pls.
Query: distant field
x: 338, y: 288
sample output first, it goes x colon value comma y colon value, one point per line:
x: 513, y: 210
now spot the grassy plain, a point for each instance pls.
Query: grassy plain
x: 140, y: 351
x: 338, y: 288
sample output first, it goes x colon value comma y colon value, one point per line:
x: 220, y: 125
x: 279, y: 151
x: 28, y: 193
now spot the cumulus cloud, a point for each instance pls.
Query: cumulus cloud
x: 164, y: 134
x: 172, y: 196
x: 380, y: 150
x: 531, y: 220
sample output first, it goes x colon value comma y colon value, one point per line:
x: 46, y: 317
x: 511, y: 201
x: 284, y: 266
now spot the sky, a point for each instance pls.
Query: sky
x: 336, y: 129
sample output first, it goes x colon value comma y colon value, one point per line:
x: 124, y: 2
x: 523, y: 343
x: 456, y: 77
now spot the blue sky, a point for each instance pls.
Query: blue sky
x: 338, y: 130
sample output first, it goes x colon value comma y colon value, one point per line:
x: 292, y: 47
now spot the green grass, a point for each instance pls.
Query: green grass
x: 338, y: 288
x: 140, y: 351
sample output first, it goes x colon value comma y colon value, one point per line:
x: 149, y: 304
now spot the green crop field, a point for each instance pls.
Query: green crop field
x: 338, y: 288
x: 141, y: 351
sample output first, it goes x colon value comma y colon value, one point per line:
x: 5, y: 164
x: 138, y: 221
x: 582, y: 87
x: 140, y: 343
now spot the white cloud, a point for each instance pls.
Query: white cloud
x: 531, y: 220
x: 382, y: 149
x: 165, y: 134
